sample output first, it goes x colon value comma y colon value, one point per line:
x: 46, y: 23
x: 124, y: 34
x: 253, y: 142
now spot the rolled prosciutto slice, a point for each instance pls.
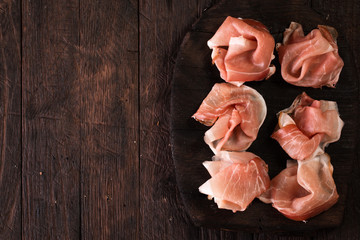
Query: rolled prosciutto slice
x: 304, y: 189
x: 307, y: 127
x: 242, y: 51
x: 235, y: 114
x: 312, y: 60
x: 236, y: 179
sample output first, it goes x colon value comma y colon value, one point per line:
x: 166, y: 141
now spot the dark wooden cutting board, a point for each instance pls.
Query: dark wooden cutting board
x: 194, y: 76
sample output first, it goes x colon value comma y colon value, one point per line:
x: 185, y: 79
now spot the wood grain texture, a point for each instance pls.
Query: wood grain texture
x: 108, y: 75
x: 85, y: 116
x: 10, y: 120
x: 162, y: 27
x: 50, y: 120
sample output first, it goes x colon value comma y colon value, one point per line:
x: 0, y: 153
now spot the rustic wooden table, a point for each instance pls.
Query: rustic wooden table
x: 85, y: 149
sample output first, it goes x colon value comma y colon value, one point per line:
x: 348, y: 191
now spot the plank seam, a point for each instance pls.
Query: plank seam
x: 139, y: 215
x: 80, y: 150
x: 21, y: 117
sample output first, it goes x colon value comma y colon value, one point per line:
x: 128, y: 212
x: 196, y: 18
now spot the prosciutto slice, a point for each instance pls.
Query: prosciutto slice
x: 312, y: 60
x: 235, y: 114
x: 236, y: 179
x: 307, y: 127
x: 304, y: 189
x: 242, y: 51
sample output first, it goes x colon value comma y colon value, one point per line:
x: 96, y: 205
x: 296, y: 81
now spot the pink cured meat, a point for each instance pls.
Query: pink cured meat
x: 242, y: 50
x: 235, y: 114
x: 236, y: 179
x: 303, y: 190
x: 307, y: 127
x: 312, y: 60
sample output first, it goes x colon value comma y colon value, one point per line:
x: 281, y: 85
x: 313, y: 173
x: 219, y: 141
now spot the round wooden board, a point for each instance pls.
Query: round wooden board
x: 194, y: 76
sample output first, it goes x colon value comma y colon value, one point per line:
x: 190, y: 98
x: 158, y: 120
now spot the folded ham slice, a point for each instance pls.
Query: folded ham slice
x: 242, y: 51
x: 304, y: 189
x: 307, y: 127
x: 312, y: 60
x: 235, y: 114
x: 236, y: 179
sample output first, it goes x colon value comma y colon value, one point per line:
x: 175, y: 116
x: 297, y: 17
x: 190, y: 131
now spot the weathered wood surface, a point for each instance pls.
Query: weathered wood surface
x: 109, y: 116
x: 85, y: 111
x: 10, y: 121
x: 50, y: 120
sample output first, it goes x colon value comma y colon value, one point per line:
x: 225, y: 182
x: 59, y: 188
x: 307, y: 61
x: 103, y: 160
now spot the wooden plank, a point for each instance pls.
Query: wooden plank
x: 109, y: 119
x: 10, y: 120
x: 163, y: 25
x: 50, y: 120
